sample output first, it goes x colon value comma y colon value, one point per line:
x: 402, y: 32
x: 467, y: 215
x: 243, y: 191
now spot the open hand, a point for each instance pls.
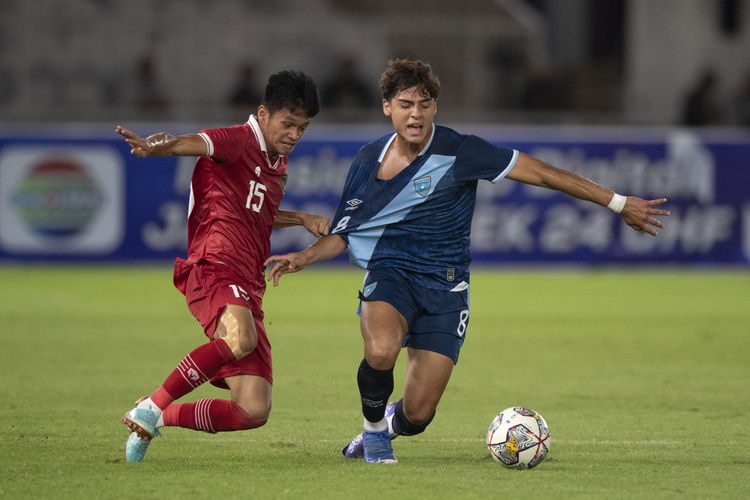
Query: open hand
x: 138, y: 145
x: 283, y: 264
x: 640, y: 214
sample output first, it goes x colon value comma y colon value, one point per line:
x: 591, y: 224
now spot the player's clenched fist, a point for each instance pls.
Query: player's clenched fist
x: 317, y: 225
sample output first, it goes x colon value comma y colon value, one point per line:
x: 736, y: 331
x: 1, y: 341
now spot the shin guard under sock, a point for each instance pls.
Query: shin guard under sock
x: 375, y: 386
x: 196, y: 368
x: 210, y: 415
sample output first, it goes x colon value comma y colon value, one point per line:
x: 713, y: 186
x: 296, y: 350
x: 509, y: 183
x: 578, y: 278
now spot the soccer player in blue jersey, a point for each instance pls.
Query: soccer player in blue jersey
x: 405, y: 216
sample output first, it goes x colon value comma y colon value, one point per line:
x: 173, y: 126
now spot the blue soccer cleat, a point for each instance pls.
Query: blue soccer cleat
x: 355, y: 448
x: 378, y: 448
x: 142, y: 421
x: 136, y: 448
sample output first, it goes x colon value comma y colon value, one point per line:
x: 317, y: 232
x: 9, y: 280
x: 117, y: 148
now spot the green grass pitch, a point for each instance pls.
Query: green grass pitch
x: 643, y: 377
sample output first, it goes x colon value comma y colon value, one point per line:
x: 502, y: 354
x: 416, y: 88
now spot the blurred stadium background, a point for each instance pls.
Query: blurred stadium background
x: 650, y: 98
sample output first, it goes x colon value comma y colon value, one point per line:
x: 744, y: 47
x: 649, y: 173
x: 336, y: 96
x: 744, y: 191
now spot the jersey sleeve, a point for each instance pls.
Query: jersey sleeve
x: 478, y: 159
x: 224, y: 144
x: 340, y: 221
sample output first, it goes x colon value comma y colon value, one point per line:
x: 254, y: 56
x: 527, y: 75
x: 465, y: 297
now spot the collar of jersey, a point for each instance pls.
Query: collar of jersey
x: 388, y: 144
x: 255, y: 127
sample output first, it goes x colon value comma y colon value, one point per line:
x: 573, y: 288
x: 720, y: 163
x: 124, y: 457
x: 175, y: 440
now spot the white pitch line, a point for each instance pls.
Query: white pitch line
x: 574, y: 442
x: 623, y: 442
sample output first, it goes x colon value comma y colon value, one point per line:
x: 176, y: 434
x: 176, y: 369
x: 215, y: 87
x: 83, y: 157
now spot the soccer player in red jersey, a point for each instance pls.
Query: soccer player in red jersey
x: 236, y: 189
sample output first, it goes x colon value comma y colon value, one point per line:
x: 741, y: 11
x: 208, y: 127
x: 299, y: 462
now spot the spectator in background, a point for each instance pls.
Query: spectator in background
x: 546, y: 91
x: 701, y: 105
x: 7, y: 85
x: 148, y: 94
x: 245, y: 91
x: 742, y: 103
x: 346, y: 89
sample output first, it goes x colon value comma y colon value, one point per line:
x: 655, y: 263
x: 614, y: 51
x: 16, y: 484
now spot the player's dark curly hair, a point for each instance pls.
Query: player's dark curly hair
x: 292, y: 90
x: 402, y: 74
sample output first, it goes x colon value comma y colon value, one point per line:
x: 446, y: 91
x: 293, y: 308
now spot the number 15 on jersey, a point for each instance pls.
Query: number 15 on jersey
x: 256, y: 196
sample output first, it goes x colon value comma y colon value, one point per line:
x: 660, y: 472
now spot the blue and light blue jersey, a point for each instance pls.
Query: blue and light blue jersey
x: 420, y: 220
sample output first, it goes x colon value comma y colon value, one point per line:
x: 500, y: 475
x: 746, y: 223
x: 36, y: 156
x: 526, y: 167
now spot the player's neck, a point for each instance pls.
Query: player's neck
x: 407, y: 150
x: 400, y: 155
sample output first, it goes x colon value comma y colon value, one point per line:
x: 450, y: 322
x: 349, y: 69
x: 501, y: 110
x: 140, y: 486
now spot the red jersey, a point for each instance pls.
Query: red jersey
x: 235, y: 195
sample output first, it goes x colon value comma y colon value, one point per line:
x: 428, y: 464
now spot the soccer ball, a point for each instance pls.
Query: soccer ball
x: 518, y: 438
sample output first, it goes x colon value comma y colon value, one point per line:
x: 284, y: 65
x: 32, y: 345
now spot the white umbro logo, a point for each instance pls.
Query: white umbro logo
x: 257, y: 170
x: 354, y: 204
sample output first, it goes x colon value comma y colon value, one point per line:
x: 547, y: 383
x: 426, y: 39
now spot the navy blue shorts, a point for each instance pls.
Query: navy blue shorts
x: 437, y: 319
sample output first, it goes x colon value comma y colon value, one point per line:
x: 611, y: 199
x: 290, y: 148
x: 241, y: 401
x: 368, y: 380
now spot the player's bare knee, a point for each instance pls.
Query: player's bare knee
x: 255, y: 421
x: 381, y: 355
x: 255, y: 415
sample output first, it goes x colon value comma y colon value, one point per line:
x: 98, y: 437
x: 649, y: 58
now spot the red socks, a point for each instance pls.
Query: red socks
x: 210, y: 415
x: 196, y: 368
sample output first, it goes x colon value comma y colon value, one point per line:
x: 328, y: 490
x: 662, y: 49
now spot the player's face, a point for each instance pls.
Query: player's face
x: 282, y: 130
x: 412, y: 113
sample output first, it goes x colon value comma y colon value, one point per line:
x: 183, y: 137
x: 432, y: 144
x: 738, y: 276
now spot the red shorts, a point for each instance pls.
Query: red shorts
x: 208, y: 289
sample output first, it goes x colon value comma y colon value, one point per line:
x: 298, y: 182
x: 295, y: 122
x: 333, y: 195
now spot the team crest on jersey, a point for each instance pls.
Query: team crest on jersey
x: 369, y: 288
x: 422, y: 185
x: 283, y: 184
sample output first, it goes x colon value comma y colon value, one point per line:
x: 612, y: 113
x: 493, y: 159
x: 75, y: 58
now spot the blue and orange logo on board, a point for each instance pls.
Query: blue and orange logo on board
x: 57, y: 197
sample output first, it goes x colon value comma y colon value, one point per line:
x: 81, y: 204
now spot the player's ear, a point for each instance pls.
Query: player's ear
x: 386, y: 107
x: 263, y: 114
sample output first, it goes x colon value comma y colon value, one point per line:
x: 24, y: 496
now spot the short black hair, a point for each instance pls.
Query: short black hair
x: 294, y: 91
x: 402, y: 74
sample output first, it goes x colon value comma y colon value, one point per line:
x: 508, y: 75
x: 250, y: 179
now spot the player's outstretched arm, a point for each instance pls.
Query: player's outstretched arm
x: 317, y: 225
x: 325, y: 248
x: 636, y: 212
x: 164, y: 144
